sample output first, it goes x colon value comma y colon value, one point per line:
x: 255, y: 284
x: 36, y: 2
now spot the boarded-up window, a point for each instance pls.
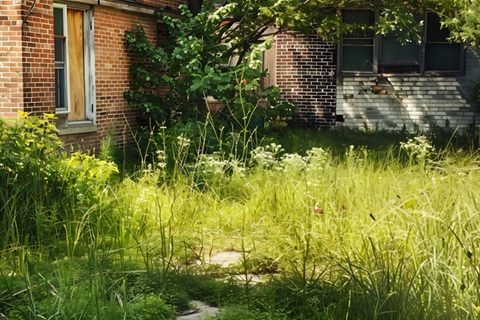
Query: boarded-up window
x: 73, y: 62
x: 269, y: 66
x: 76, y: 65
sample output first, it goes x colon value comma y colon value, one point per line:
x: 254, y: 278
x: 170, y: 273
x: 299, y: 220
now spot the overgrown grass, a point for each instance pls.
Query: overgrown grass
x: 352, y: 229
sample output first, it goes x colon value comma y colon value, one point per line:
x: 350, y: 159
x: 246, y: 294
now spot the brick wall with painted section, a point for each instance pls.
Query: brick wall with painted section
x: 409, y: 102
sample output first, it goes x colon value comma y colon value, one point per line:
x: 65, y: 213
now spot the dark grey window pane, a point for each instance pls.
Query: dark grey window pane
x: 356, y: 58
x: 442, y: 56
x: 58, y: 21
x: 60, y: 101
x: 434, y: 33
x: 359, y: 17
x: 358, y: 41
x: 394, y: 53
x: 59, y: 49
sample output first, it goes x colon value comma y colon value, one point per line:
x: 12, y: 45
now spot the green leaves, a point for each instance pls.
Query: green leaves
x: 212, y: 54
x: 463, y: 20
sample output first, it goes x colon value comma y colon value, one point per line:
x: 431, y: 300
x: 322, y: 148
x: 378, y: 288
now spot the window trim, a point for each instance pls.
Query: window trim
x: 377, y: 51
x: 89, y: 65
x: 66, y: 67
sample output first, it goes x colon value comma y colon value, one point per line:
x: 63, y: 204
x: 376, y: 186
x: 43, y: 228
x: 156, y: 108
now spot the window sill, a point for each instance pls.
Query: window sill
x: 430, y: 74
x: 77, y: 128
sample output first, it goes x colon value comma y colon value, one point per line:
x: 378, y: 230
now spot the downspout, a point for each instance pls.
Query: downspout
x: 29, y: 12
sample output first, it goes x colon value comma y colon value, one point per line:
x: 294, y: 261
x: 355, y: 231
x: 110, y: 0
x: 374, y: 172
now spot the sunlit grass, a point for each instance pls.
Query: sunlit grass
x: 351, y: 233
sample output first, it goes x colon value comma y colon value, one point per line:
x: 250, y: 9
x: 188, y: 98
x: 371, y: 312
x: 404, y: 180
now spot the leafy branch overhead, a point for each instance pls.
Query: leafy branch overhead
x: 324, y: 16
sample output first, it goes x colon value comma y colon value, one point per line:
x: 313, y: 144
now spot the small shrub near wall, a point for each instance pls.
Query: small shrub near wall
x: 39, y: 185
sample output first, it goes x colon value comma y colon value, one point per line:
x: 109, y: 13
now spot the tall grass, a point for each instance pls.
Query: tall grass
x: 351, y: 233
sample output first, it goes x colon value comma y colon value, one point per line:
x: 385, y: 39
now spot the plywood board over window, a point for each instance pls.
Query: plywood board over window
x: 76, y: 64
x: 269, y: 58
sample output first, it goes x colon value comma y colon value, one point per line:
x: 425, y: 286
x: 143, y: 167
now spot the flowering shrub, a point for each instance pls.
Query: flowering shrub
x: 419, y: 149
x: 266, y: 157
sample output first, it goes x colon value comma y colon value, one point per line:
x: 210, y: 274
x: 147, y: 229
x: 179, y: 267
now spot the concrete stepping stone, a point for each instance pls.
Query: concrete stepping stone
x: 200, y: 311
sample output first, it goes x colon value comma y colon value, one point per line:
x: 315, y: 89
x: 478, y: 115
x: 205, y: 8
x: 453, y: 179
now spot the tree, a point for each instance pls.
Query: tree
x: 211, y: 54
x: 324, y: 16
x: 462, y: 18
x: 210, y: 51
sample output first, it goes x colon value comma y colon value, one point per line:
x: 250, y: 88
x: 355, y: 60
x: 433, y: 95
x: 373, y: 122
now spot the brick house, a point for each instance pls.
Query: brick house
x: 373, y: 82
x: 69, y: 58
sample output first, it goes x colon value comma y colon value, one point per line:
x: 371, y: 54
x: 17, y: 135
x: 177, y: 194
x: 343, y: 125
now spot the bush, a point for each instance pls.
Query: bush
x: 29, y: 183
x: 40, y: 185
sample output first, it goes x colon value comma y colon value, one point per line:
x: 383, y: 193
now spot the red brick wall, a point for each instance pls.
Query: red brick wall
x: 305, y: 72
x: 113, y: 116
x: 38, y: 58
x: 11, y: 77
x: 162, y: 3
x: 27, y: 66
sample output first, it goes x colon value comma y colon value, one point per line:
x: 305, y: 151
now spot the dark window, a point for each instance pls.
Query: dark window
x: 60, y: 58
x: 396, y: 57
x: 358, y: 49
x: 369, y: 53
x: 440, y: 54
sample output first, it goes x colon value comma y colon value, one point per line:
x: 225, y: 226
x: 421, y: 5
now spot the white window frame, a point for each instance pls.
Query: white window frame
x: 66, y: 68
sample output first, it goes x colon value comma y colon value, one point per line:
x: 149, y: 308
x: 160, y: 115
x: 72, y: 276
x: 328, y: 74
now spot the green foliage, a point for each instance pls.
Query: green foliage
x: 195, y: 63
x: 28, y: 147
x: 29, y: 183
x: 149, y: 307
x: 462, y: 19
x: 86, y: 176
x: 397, y: 17
x: 39, y: 187
x: 374, y: 230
